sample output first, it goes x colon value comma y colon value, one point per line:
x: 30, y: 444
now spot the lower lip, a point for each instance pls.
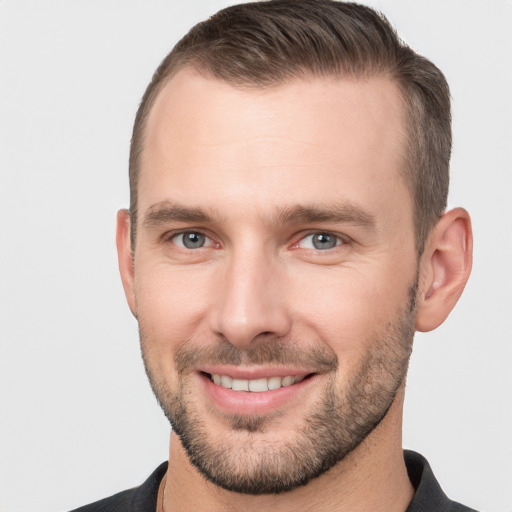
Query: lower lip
x: 246, y: 402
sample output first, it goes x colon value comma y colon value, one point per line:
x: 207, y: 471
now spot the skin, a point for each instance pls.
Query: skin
x: 328, y: 143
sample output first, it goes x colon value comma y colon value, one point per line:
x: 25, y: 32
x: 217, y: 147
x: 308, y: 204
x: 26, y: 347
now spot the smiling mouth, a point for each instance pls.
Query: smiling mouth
x: 256, y: 385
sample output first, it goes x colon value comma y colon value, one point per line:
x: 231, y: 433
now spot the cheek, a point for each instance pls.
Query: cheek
x: 349, y: 310
x: 170, y: 307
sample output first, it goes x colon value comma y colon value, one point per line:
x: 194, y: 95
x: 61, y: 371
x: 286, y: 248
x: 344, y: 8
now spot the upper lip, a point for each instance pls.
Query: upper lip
x: 250, y: 373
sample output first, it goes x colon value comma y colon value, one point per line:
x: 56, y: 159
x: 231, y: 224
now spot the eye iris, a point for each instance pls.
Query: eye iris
x: 193, y: 240
x: 323, y: 241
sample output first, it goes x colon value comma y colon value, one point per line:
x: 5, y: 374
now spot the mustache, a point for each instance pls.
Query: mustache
x: 319, y: 358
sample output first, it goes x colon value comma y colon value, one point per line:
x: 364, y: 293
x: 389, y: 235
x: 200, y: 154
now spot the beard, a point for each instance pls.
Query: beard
x: 249, y: 459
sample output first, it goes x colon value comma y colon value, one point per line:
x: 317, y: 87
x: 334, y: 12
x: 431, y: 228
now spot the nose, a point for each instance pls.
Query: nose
x: 250, y: 304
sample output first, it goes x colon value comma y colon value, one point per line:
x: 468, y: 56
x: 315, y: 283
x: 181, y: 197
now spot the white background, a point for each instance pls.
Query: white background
x: 78, y: 420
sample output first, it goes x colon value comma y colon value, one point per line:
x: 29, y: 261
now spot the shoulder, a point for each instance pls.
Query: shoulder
x: 138, y: 499
x: 116, y: 503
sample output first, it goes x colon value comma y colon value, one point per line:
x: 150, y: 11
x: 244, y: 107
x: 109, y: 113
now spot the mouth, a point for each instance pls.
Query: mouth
x: 242, y: 392
x: 259, y: 385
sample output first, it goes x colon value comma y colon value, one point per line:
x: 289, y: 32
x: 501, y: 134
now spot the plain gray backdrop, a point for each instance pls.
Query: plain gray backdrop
x: 78, y: 420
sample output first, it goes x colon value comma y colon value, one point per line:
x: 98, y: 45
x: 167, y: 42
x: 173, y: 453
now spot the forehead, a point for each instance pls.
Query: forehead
x: 299, y: 141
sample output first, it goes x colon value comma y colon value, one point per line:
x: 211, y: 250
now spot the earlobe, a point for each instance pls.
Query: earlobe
x: 125, y: 257
x: 444, y: 269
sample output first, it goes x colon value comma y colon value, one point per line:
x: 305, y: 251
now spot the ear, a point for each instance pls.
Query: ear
x: 444, y: 269
x: 125, y: 258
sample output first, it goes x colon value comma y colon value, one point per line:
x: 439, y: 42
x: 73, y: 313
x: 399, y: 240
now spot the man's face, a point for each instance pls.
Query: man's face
x: 275, y: 272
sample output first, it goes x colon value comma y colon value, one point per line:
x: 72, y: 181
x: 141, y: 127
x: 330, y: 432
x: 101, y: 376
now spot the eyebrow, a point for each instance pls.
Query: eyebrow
x: 347, y: 213
x: 166, y: 211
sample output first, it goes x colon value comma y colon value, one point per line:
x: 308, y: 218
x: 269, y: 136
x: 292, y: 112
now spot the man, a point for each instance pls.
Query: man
x: 287, y: 235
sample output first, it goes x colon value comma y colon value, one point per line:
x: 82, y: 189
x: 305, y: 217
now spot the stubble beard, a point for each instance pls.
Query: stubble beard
x: 250, y: 461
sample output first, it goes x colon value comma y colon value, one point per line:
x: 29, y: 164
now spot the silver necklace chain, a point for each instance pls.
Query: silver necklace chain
x: 162, y: 504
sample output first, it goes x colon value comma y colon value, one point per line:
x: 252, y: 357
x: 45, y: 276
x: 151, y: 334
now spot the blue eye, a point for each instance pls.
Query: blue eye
x: 190, y: 240
x: 320, y: 241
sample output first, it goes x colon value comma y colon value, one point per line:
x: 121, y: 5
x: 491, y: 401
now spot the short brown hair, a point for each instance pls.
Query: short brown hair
x: 263, y: 44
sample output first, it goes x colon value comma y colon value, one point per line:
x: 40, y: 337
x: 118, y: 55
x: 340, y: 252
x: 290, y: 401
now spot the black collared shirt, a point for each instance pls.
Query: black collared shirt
x: 429, y: 497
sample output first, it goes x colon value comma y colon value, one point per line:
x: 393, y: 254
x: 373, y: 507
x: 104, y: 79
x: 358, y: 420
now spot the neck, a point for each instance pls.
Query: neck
x: 372, y: 477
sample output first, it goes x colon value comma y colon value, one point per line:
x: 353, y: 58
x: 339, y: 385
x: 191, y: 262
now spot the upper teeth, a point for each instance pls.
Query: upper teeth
x: 257, y: 385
